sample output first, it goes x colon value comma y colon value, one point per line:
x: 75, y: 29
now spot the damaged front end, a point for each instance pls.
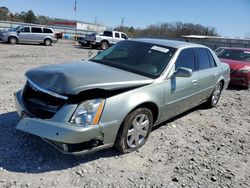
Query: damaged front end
x: 68, y: 122
x: 49, y: 117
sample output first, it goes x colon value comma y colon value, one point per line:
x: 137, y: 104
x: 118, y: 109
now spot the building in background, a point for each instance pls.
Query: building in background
x: 78, y: 25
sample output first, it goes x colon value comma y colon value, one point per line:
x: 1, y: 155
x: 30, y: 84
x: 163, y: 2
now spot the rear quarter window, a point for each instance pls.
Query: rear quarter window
x: 46, y: 30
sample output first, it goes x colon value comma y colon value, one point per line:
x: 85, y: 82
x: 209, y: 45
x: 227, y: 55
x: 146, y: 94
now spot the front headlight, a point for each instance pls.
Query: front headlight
x: 245, y: 69
x: 88, y: 113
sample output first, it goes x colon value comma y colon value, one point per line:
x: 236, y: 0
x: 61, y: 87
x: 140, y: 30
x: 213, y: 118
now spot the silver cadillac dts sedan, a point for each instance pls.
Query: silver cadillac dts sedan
x: 116, y: 97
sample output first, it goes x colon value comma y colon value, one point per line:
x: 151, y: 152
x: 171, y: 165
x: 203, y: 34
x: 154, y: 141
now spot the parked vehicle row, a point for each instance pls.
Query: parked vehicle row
x: 115, y: 98
x: 29, y: 34
x: 239, y: 61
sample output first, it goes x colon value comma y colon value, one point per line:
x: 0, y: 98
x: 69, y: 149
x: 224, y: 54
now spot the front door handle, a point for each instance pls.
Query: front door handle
x: 215, y: 75
x: 194, y: 82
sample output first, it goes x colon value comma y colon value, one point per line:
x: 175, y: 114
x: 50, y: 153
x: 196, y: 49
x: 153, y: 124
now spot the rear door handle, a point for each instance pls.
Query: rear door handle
x: 194, y: 82
x: 215, y: 75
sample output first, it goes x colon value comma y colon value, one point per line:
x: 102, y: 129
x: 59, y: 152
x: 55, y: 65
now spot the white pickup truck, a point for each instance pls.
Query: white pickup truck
x: 105, y: 40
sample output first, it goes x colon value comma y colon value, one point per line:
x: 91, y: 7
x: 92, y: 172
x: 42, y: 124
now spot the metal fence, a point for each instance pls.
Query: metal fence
x: 214, y: 43
x: 67, y: 31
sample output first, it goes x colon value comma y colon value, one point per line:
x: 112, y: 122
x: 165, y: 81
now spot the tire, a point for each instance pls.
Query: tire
x: 12, y: 40
x: 214, y: 98
x: 47, y: 42
x: 104, y: 45
x: 134, y: 130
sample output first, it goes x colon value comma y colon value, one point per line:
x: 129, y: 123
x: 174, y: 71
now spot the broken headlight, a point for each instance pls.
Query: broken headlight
x: 88, y: 113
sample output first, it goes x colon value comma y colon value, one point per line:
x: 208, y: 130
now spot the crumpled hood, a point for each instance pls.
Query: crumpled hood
x: 72, y: 78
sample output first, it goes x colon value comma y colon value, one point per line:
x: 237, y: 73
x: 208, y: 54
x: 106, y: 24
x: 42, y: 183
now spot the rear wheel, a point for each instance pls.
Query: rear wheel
x: 135, y: 130
x: 12, y: 40
x: 47, y: 42
x: 214, y: 98
x: 104, y: 45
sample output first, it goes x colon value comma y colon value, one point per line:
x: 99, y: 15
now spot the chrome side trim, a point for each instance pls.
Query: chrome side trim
x: 45, y: 90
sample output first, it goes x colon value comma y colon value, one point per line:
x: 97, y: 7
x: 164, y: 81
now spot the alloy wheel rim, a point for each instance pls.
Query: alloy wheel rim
x: 216, y: 94
x: 12, y: 41
x: 138, y: 131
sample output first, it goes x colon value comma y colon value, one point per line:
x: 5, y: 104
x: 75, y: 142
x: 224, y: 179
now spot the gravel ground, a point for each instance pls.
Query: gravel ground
x: 201, y: 148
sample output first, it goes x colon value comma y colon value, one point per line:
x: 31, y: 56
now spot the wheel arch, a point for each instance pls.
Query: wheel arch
x: 47, y: 38
x: 104, y: 40
x: 14, y: 37
x: 151, y: 106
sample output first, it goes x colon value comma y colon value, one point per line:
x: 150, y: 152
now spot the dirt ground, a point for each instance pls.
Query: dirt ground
x: 201, y: 148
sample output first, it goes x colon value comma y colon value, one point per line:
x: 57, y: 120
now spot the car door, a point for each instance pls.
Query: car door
x: 36, y: 34
x: 181, y: 93
x: 117, y: 37
x: 24, y: 34
x: 208, y: 72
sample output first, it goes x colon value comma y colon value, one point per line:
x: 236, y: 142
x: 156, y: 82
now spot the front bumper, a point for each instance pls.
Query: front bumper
x: 60, y: 133
x: 240, y: 79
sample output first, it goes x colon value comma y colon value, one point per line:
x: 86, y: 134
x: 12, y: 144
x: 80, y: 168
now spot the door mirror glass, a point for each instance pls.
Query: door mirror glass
x: 183, y: 72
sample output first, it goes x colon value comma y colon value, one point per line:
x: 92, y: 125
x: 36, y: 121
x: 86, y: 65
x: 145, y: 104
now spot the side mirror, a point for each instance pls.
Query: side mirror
x: 90, y: 53
x: 18, y: 32
x: 183, y: 72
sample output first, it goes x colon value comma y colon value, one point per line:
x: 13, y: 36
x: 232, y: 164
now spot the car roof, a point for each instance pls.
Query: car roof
x: 169, y: 43
x: 21, y: 26
x: 236, y: 48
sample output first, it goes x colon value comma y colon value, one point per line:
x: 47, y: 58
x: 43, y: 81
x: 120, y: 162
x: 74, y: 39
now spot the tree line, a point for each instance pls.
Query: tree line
x: 169, y: 30
x: 26, y: 17
x: 163, y: 30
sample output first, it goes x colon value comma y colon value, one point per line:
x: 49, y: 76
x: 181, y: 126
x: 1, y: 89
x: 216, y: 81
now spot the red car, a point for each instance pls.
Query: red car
x: 239, y: 61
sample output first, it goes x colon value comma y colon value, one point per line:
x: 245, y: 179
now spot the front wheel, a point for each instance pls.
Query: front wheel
x: 214, y: 98
x: 47, y: 42
x: 12, y: 40
x: 135, y: 130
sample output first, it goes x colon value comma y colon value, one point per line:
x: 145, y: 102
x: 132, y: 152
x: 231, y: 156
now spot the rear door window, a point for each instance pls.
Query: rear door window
x: 46, y: 30
x: 203, y: 59
x: 36, y: 30
x: 117, y: 35
x: 186, y: 59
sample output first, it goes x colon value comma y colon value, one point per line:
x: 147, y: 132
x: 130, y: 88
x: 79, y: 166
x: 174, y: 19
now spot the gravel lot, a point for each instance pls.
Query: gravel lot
x: 201, y: 148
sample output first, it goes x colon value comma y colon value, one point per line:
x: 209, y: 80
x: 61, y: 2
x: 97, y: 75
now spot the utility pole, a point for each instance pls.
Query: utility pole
x: 122, y: 21
x: 95, y: 20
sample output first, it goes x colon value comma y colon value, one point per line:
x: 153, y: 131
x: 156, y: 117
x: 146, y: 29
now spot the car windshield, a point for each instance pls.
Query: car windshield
x: 15, y: 29
x: 142, y: 58
x: 235, y: 54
